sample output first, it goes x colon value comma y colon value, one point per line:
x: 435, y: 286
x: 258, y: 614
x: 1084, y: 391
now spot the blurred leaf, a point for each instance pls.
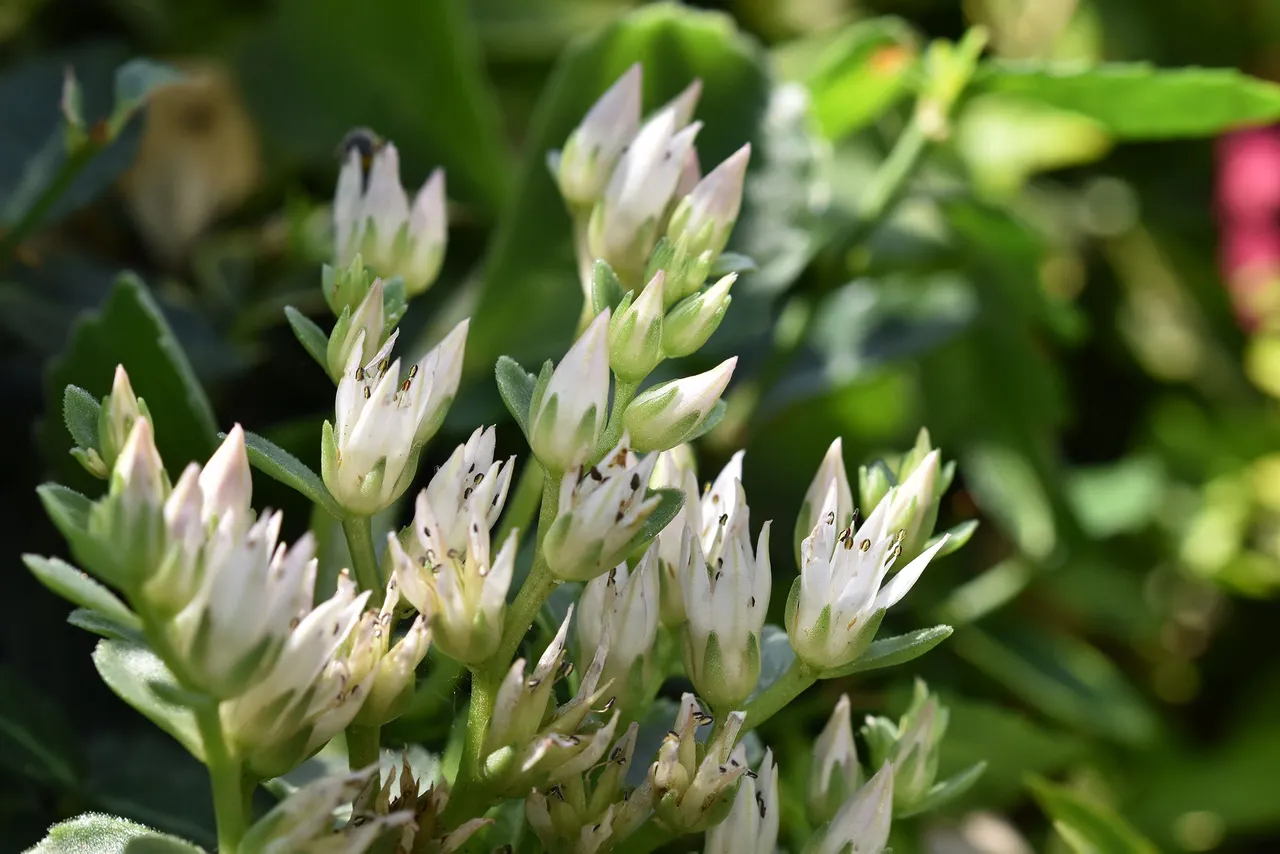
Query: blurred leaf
x: 136, y: 80
x: 309, y: 334
x: 277, y: 463
x: 95, y: 833
x: 1140, y: 101
x: 1005, y: 484
x: 148, y: 778
x: 957, y: 536
x: 409, y: 70
x: 36, y: 741
x: 945, y: 791
x: 104, y: 626
x: 776, y: 655
x: 32, y: 144
x: 129, y: 329
x: 130, y: 671
x: 892, y: 651
x: 527, y: 304
x: 1062, y: 676
x: 79, y: 589
x: 861, y: 74
x: 1008, y: 741
x: 988, y: 591
x: 1088, y: 826
x: 1117, y: 498
x: 331, y: 759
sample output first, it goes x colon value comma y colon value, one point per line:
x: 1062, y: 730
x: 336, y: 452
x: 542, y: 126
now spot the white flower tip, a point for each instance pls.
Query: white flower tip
x: 683, y: 105
x: 716, y: 292
x: 120, y: 382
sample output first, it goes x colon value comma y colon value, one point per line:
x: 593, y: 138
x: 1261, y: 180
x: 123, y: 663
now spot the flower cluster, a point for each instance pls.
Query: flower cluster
x: 652, y: 578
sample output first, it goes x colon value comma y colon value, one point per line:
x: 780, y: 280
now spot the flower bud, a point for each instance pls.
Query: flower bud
x: 831, y: 472
x: 580, y: 813
x: 390, y: 669
x: 346, y: 286
x: 568, y: 411
x: 912, y: 746
x: 373, y: 217
x: 619, y: 610
x: 674, y: 469
x: 635, y: 333
x: 602, y: 512
x: 862, y: 823
x: 670, y: 413
x: 922, y: 481
x: 752, y: 824
x: 370, y: 455
x: 119, y: 410
x: 363, y: 328
x: 625, y: 223
x: 693, y: 320
x: 834, y: 772
x: 703, y: 219
x: 302, y: 823
x: 593, y: 149
x: 694, y: 792
x: 726, y: 597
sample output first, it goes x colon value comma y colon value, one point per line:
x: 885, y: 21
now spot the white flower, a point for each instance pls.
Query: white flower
x: 726, y: 594
x: 635, y: 333
x: 625, y: 224
x: 568, y: 410
x: 915, y: 504
x: 373, y: 218
x: 841, y: 573
x: 583, y: 815
x: 370, y: 454
x: 601, y: 513
x: 669, y: 413
x: 752, y: 825
x: 273, y: 724
x: 303, y: 822
x: 688, y: 789
x: 831, y: 473
x: 693, y: 319
x: 703, y: 219
x: 595, y: 145
x: 674, y: 470
x: 862, y: 825
x: 619, y: 610
x: 834, y: 774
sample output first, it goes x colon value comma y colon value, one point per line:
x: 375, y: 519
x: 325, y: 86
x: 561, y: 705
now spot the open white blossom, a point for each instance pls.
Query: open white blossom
x: 752, y: 825
x: 687, y: 787
x: 835, y: 773
x: 619, y: 610
x: 861, y: 826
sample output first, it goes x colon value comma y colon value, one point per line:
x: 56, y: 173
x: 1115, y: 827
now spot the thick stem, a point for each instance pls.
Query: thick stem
x: 798, y: 677
x: 226, y: 778
x: 523, y: 504
x: 364, y: 560
x: 623, y: 394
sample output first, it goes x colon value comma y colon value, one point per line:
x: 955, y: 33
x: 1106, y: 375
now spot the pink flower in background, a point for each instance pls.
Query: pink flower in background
x: 1248, y: 192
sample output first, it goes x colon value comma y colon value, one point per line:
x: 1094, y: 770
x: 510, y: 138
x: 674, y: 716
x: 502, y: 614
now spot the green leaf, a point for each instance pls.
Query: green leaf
x: 79, y: 589
x: 95, y: 833
x: 1062, y: 676
x: 861, y: 74
x: 276, y: 462
x: 1140, y: 101
x: 36, y: 740
x: 890, y: 652
x: 32, y: 139
x: 988, y: 591
x: 529, y: 297
x: 137, y: 79
x: 130, y: 329
x: 129, y: 670
x: 947, y: 790
x: 80, y: 413
x: 515, y: 384
x: 606, y: 290
x: 669, y: 504
x: 776, y: 656
x: 958, y: 535
x: 309, y: 335
x: 1088, y: 826
x: 103, y: 626
x: 410, y: 70
x: 1118, y: 498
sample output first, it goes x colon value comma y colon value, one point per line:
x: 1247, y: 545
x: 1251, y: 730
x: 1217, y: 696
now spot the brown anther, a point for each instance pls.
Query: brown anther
x: 635, y: 481
x: 865, y: 545
x: 405, y: 386
x: 367, y: 393
x: 466, y: 493
x: 413, y: 371
x: 724, y: 519
x: 831, y: 518
x: 594, y: 474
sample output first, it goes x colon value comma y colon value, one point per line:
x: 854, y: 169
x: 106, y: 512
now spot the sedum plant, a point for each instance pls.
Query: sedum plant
x: 222, y: 638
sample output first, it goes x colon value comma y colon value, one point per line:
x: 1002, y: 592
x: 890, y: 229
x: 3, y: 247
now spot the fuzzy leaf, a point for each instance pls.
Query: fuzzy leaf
x: 309, y: 335
x: 276, y: 462
x: 129, y: 670
x: 515, y: 384
x: 889, y: 652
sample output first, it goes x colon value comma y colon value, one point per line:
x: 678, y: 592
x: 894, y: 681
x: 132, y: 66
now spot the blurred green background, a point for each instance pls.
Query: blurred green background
x: 1047, y: 299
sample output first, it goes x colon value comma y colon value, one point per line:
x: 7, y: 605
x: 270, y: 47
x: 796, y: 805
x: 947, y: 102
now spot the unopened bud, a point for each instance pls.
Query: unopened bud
x: 636, y: 333
x: 670, y: 413
x: 695, y: 318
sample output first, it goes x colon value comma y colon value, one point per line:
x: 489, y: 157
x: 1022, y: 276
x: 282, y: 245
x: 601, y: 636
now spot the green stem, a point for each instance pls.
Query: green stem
x: 523, y: 504
x: 623, y: 394
x: 76, y: 160
x: 798, y: 677
x: 363, y: 743
x: 431, y: 701
x: 226, y: 778
x: 364, y: 560
x: 648, y: 837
